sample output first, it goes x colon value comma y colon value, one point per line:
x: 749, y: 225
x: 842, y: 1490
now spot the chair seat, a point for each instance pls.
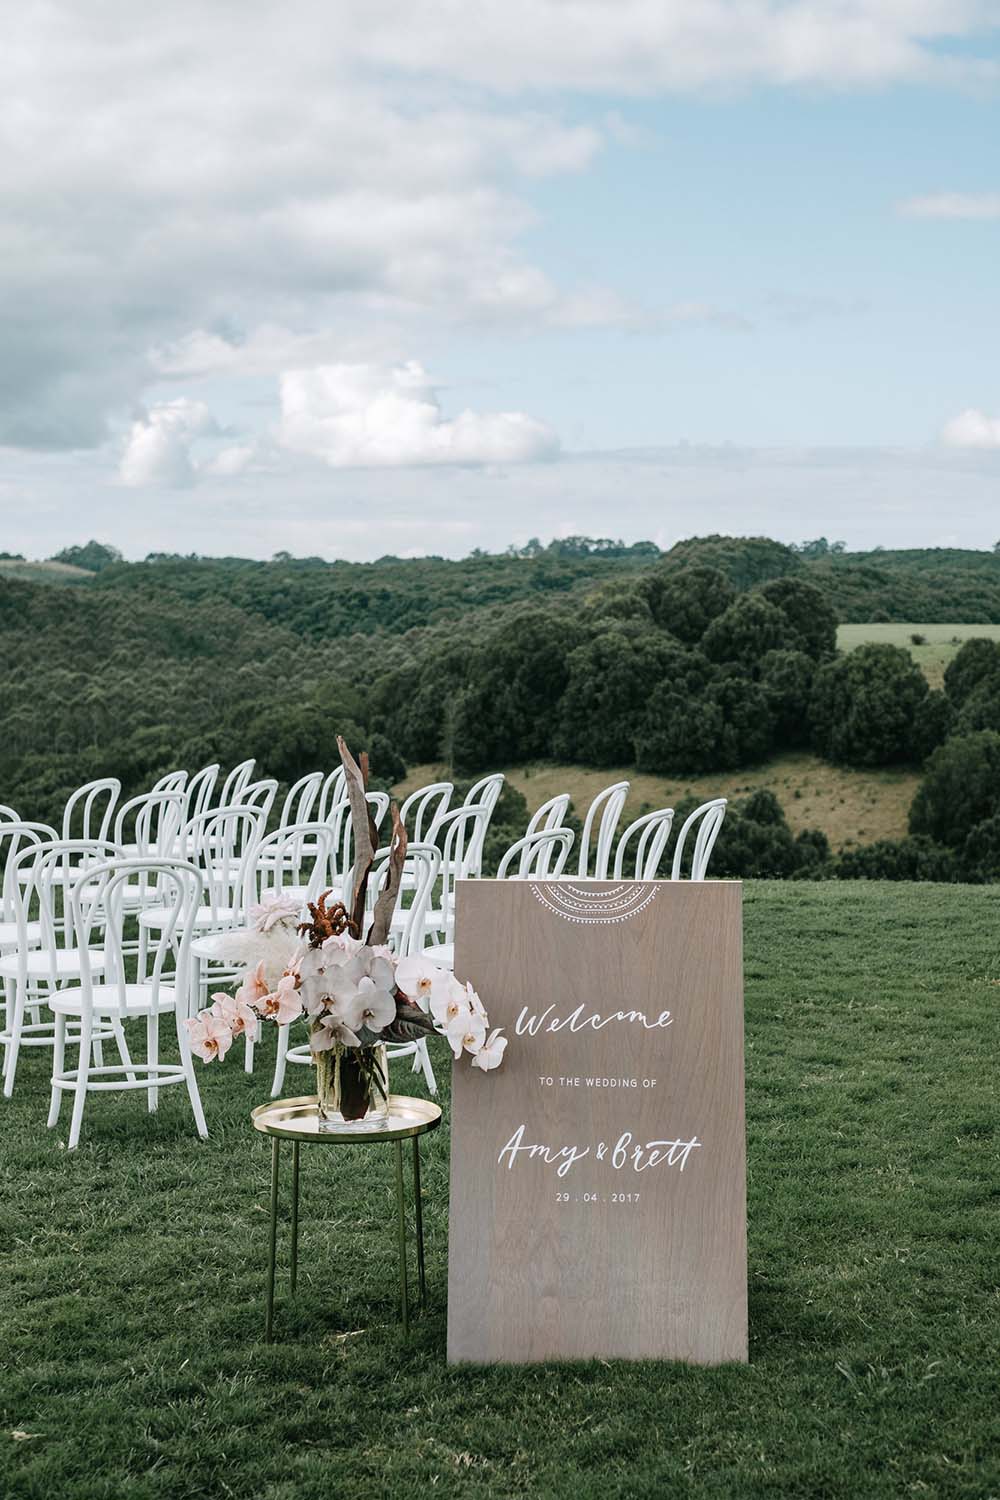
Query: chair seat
x: 204, y: 920
x: 139, y: 1000
x: 9, y: 936
x: 38, y: 965
x: 443, y: 955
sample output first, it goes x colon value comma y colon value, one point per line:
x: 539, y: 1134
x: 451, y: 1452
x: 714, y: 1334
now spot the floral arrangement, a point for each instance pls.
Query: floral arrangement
x: 352, y: 992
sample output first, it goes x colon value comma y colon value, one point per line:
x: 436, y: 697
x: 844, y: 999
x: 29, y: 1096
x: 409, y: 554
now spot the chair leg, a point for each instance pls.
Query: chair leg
x: 58, y: 1064
x: 192, y: 1084
x: 82, y: 1078
x: 97, y: 1047
x: 14, y: 1022
x: 280, y: 1063
x: 152, y: 1057
x: 122, y: 1045
x: 248, y: 1054
x: 429, y: 1078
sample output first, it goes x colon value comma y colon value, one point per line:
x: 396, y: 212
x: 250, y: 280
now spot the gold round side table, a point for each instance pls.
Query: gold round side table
x: 297, y: 1120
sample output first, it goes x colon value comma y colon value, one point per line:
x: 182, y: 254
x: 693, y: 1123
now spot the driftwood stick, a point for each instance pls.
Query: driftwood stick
x: 364, y: 846
x: 385, y: 906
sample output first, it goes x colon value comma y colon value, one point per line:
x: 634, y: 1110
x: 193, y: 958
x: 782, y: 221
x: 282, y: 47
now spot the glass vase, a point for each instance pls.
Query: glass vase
x: 352, y: 1088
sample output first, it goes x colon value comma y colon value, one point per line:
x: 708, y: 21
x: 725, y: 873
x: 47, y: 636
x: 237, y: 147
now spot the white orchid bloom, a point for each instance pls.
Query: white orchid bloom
x: 449, y: 999
x: 368, y: 1006
x: 466, y: 1032
x: 339, y: 950
x: 490, y: 1054
x: 420, y: 980
x: 331, y: 1031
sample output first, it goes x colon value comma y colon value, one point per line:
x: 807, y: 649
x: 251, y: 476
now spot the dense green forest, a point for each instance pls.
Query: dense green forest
x: 710, y: 656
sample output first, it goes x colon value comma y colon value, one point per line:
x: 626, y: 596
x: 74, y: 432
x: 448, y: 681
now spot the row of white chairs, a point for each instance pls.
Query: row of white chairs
x: 184, y: 865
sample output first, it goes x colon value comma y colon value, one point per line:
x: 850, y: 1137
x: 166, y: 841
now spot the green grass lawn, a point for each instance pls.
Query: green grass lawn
x: 939, y: 645
x: 133, y: 1272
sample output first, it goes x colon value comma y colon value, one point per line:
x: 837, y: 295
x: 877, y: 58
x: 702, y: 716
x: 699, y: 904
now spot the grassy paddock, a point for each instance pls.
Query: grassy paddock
x: 850, y: 806
x: 133, y: 1272
x: 940, y: 644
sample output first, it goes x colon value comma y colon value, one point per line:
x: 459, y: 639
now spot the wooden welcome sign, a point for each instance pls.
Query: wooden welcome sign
x: 598, y: 1182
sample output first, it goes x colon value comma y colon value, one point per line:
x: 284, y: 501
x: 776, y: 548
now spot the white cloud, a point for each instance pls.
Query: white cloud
x: 307, y: 167
x: 366, y: 416
x: 158, y: 449
x: 972, y: 429
x: 952, y: 206
x: 646, y: 46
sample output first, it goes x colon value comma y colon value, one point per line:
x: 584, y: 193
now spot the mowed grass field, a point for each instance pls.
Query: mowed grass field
x: 940, y: 642
x: 133, y: 1272
x: 850, y: 806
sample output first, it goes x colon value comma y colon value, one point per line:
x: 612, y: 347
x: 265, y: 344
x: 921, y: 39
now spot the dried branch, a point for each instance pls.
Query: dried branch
x: 365, y: 838
x: 385, y: 906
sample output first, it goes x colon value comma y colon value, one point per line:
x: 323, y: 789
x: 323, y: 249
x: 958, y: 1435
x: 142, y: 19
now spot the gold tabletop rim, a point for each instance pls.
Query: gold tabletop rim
x: 282, y: 1121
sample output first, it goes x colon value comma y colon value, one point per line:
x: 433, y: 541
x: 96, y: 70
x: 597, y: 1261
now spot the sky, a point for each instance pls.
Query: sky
x: 369, y: 277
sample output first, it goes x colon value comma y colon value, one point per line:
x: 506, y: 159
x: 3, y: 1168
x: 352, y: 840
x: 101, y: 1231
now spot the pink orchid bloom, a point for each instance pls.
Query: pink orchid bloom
x: 254, y: 986
x: 283, y: 1005
x: 209, y: 1035
x: 236, y: 1013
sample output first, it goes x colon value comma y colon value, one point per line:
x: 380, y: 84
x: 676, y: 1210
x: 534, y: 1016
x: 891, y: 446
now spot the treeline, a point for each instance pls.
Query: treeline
x: 706, y: 658
x: 675, y: 670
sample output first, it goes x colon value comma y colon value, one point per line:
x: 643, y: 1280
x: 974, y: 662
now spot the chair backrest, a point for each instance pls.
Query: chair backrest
x: 422, y: 865
x: 173, y: 781
x: 8, y: 815
x: 537, y: 856
x: 604, y: 811
x: 650, y: 833
x: 460, y: 834
x: 17, y: 839
x: 549, y: 816
x: 709, y: 818
x: 100, y: 906
x: 236, y: 783
x: 216, y: 843
x: 98, y: 799
x: 43, y: 878
x: 155, y: 819
x: 379, y: 804
x: 260, y: 794
x: 301, y: 856
x: 485, y: 795
x: 423, y: 810
x: 332, y: 794
x: 487, y: 789
x: 301, y: 798
x: 199, y: 791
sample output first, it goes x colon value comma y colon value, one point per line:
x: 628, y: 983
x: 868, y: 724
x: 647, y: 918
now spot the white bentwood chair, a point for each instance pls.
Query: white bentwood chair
x: 651, y: 833
x: 604, y: 812
x: 104, y: 994
x: 84, y: 808
x: 40, y: 877
x: 537, y: 856
x: 709, y: 818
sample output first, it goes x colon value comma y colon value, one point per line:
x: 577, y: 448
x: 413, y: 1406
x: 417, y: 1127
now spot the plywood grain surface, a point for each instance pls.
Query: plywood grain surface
x: 598, y: 1192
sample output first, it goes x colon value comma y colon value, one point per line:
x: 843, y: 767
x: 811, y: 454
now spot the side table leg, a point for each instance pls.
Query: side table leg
x: 401, y: 1227
x: 419, y: 1217
x: 269, y: 1321
x: 295, y: 1214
